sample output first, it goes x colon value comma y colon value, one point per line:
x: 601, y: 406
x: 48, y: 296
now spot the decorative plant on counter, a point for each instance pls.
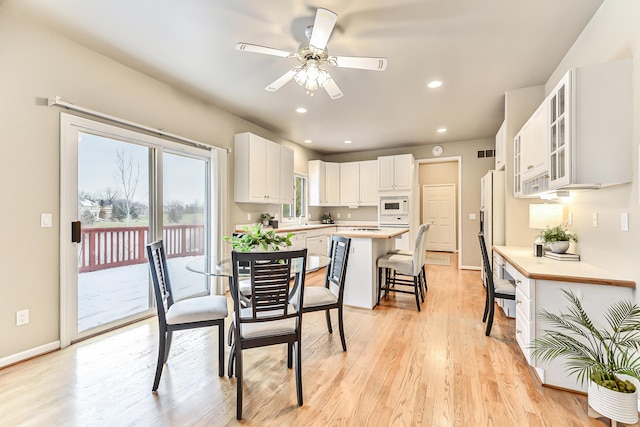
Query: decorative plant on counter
x: 557, y: 238
x: 596, y: 354
x: 256, y: 238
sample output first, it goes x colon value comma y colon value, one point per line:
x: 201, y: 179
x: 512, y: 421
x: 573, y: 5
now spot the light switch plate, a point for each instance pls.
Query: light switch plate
x: 46, y: 220
x: 624, y: 221
x: 594, y: 220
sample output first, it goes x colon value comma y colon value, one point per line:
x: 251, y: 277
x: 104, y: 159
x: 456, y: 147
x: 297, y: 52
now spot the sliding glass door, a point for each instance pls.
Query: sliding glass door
x: 121, y: 190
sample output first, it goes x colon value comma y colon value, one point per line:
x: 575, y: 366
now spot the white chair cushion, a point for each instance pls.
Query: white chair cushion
x: 260, y: 329
x: 318, y: 295
x: 504, y: 286
x: 245, y: 287
x: 401, y: 263
x: 197, y: 310
x: 400, y: 252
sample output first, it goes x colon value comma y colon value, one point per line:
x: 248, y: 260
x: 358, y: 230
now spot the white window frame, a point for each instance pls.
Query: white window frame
x: 306, y: 200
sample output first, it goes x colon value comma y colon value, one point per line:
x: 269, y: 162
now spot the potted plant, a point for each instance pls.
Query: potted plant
x: 557, y: 238
x: 264, y: 218
x: 601, y: 356
x: 257, y: 239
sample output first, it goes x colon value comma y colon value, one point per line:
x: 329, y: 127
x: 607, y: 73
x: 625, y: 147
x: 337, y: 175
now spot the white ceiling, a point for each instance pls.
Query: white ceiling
x: 478, y: 48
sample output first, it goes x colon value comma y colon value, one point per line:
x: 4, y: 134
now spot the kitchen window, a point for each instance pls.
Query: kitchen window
x: 298, y: 208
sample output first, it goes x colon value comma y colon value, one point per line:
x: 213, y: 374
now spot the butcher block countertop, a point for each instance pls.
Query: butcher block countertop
x: 542, y: 268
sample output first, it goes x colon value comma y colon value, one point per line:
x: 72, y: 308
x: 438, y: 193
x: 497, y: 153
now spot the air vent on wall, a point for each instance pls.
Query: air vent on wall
x: 486, y: 153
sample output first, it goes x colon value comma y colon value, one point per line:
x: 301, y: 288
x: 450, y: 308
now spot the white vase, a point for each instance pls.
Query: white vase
x: 621, y: 407
x: 558, y: 247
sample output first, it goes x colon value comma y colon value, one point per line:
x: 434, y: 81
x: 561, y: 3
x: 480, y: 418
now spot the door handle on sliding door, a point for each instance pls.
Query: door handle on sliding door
x: 76, y: 232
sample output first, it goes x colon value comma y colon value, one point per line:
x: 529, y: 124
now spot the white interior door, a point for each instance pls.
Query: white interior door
x: 439, y: 210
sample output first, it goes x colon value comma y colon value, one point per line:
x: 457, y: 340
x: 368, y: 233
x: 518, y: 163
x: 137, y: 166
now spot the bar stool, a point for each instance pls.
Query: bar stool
x: 423, y: 244
x: 399, y: 267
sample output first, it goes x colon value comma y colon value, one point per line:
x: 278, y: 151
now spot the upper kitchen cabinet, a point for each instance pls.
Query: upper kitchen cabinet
x: 358, y: 183
x: 324, y: 183
x: 501, y: 147
x: 260, y: 167
x: 396, y: 172
x: 287, y: 181
x: 534, y: 161
x: 590, y: 127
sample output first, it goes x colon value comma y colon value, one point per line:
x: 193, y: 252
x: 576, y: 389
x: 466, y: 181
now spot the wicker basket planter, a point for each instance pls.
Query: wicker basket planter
x: 620, y: 407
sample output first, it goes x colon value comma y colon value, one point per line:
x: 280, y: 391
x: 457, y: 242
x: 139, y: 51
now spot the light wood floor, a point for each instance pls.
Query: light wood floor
x: 402, y: 368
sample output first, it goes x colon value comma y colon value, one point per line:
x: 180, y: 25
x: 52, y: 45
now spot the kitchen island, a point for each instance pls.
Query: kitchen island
x: 367, y: 245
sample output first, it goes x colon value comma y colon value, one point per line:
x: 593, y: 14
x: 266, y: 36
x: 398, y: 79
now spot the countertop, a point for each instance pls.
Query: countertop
x: 382, y: 233
x: 292, y: 228
x: 543, y: 268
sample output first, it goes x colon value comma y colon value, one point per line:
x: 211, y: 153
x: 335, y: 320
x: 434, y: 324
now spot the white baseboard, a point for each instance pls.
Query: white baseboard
x: 470, y: 267
x: 28, y: 354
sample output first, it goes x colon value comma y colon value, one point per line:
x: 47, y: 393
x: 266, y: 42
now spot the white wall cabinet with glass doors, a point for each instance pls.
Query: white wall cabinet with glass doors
x: 396, y: 172
x: 588, y: 132
x: 358, y: 183
x: 534, y: 161
x: 591, y: 126
x: 263, y: 169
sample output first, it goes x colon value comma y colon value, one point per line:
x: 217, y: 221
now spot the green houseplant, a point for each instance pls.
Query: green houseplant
x: 557, y: 238
x: 258, y: 239
x: 599, y: 356
x: 264, y: 218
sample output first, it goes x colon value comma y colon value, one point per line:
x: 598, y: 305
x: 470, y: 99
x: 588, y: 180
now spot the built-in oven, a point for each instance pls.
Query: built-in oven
x: 394, y: 211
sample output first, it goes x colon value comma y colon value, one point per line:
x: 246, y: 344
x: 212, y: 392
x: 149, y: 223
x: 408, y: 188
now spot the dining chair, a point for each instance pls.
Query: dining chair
x: 188, y: 313
x: 270, y: 319
x: 398, y: 267
x: 494, y: 287
x: 331, y: 295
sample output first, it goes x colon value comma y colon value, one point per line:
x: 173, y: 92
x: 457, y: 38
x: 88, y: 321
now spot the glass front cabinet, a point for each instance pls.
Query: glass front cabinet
x: 559, y: 133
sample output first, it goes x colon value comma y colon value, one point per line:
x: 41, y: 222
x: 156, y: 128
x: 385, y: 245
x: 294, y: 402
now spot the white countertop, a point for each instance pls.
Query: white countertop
x: 543, y: 268
x: 380, y: 233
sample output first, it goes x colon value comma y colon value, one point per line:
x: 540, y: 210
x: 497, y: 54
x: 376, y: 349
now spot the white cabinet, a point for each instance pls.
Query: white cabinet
x: 358, y: 183
x: 317, y: 245
x: 287, y: 183
x: 349, y: 183
x: 501, y: 146
x: 298, y: 241
x: 259, y: 169
x: 324, y: 183
x: 587, y: 133
x: 590, y: 127
x: 534, y: 164
x: 396, y: 172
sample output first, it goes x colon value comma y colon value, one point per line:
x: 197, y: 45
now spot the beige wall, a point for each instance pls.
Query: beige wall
x: 37, y: 64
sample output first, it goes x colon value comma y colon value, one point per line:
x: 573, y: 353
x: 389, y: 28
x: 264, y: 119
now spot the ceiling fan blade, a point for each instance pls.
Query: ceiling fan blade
x: 281, y: 81
x: 322, y: 27
x: 248, y: 47
x: 360, y: 62
x: 333, y: 90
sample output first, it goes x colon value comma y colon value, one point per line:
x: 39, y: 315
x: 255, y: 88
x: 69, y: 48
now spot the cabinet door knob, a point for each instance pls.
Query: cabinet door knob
x: 518, y: 331
x: 518, y: 302
x: 518, y: 281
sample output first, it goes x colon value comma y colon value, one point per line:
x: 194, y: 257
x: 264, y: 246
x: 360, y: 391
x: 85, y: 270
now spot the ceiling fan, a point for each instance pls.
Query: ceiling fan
x: 313, y: 56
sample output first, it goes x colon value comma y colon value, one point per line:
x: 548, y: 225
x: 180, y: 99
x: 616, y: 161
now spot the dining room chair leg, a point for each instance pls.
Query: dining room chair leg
x: 490, y: 319
x: 232, y: 355
x: 328, y: 317
x: 167, y: 346
x: 221, y: 349
x: 298, y: 348
x: 341, y: 328
x: 161, y: 359
x: 239, y: 385
x: 289, y: 355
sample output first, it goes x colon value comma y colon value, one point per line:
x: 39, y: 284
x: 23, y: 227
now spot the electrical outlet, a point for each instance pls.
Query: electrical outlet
x: 349, y: 216
x: 22, y: 317
x: 624, y: 221
x: 594, y: 220
x: 338, y: 215
x: 249, y: 217
x: 570, y: 220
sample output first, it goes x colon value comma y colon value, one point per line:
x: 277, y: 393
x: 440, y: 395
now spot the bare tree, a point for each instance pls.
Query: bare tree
x: 128, y: 177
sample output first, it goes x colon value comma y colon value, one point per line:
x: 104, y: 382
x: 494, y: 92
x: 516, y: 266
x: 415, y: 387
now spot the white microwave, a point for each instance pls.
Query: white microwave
x: 394, y: 205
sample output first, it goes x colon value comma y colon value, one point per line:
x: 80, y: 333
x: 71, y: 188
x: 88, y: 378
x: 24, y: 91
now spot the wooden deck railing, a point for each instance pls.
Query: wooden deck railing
x: 103, y: 248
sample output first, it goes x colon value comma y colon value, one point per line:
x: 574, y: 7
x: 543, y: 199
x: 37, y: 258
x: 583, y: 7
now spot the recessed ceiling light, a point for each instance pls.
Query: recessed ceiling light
x: 434, y: 84
x: 442, y: 130
x: 301, y: 110
x: 308, y: 141
x: 347, y: 142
